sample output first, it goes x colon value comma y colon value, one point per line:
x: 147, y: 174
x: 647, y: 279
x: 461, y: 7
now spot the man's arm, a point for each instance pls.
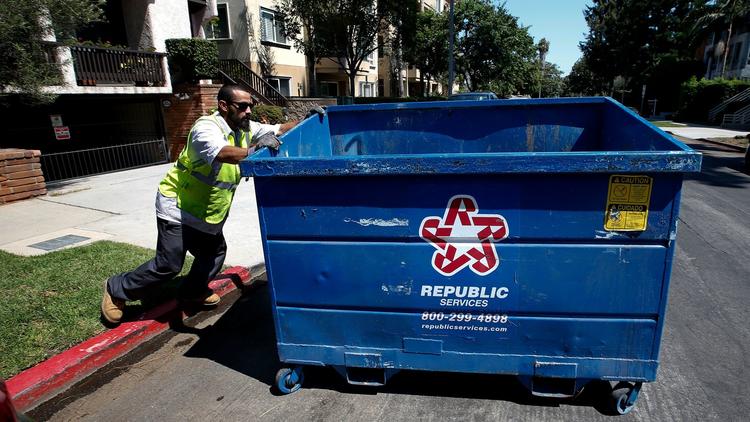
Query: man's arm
x: 233, y: 155
x: 286, y: 127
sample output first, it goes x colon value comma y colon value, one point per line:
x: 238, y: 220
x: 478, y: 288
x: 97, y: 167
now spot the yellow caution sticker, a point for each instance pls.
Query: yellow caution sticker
x: 627, y: 203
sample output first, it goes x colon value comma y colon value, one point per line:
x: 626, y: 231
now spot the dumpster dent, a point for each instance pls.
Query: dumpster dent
x: 393, y: 222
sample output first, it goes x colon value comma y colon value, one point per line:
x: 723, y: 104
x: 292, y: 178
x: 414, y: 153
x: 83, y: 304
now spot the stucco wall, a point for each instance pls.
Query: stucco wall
x: 168, y: 19
x: 138, y: 28
x: 282, y: 55
x: 149, y: 23
x: 238, y: 47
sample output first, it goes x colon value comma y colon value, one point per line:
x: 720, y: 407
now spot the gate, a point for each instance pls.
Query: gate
x: 72, y: 164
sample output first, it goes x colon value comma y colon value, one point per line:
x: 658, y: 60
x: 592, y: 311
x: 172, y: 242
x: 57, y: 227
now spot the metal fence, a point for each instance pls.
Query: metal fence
x: 94, y: 65
x: 69, y: 165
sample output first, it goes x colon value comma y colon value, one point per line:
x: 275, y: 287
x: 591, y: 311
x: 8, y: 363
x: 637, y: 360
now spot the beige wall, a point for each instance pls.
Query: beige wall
x: 288, y: 61
x: 329, y: 70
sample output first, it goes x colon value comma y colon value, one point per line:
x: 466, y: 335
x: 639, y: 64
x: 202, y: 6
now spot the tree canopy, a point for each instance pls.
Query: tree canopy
x: 429, y: 51
x: 25, y: 68
x: 492, y: 50
x: 630, y: 38
x: 300, y: 21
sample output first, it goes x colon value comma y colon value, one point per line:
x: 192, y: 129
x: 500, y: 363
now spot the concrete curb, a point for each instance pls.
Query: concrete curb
x: 711, y: 141
x: 58, y: 373
x: 730, y: 146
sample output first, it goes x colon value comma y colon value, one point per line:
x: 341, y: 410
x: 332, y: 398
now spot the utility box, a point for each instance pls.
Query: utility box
x: 524, y: 237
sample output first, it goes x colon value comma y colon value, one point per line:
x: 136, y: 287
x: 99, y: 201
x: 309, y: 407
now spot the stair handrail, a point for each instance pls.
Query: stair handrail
x: 241, y: 72
x: 723, y: 105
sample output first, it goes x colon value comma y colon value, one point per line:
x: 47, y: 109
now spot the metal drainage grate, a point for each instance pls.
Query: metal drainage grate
x: 59, y: 242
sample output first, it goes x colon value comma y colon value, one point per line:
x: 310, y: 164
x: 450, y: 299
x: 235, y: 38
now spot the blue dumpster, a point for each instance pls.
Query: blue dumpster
x: 524, y: 237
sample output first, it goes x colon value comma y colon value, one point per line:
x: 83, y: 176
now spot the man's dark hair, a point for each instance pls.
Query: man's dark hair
x: 226, y: 92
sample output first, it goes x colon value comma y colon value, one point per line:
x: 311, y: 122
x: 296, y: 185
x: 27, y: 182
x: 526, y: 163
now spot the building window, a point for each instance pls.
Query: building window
x: 329, y: 89
x: 281, y: 84
x: 218, y: 27
x: 271, y: 27
x: 367, y: 89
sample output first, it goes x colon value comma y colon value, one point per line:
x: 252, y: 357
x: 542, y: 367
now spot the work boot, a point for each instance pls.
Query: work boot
x: 111, y: 308
x: 209, y: 298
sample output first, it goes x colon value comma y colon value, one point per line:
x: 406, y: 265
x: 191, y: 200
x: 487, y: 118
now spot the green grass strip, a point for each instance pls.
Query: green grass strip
x: 667, y: 123
x: 51, y: 302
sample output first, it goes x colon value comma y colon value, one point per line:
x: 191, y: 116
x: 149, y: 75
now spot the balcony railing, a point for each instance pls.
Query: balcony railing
x: 109, y: 66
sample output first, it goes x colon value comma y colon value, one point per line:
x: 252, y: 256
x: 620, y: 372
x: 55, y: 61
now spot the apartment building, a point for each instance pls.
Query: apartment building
x: 738, y: 57
x: 250, y: 31
x: 116, y: 84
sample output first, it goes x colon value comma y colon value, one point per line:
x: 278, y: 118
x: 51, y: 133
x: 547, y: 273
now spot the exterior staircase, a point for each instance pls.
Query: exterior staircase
x: 714, y: 112
x: 237, y: 72
x: 738, y: 119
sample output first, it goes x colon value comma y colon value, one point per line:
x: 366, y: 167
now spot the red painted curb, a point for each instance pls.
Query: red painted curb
x: 60, y: 372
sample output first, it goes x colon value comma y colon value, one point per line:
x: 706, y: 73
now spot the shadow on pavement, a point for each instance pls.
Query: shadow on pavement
x: 244, y: 340
x: 717, y: 171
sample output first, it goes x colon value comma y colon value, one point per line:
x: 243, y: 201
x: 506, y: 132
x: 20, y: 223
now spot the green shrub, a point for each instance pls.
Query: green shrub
x: 267, y: 114
x: 191, y: 59
x: 697, y: 97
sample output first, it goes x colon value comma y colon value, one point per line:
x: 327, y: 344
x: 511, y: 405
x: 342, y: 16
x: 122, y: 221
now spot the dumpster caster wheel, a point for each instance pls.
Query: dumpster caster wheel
x: 289, y: 380
x: 623, y: 397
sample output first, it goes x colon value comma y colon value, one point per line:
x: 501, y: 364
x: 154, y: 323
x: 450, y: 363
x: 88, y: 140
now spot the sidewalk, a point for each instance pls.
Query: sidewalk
x: 697, y: 132
x: 119, y: 207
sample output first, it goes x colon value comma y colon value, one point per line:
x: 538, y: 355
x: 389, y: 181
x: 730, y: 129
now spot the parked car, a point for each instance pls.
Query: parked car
x: 477, y: 96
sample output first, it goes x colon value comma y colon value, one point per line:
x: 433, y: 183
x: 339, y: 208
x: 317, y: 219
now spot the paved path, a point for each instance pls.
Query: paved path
x: 120, y: 207
x: 704, y: 132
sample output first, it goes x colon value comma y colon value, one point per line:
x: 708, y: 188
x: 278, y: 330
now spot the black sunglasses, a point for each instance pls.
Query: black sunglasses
x: 242, y: 106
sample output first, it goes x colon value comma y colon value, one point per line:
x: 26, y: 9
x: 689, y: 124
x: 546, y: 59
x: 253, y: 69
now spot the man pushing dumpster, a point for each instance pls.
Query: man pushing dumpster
x: 193, y: 201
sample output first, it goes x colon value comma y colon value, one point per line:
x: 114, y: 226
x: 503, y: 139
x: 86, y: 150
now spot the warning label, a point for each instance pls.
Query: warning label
x: 627, y: 203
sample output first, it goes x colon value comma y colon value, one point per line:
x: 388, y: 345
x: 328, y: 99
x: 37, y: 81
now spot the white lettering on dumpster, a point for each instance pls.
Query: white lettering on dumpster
x: 464, y: 238
x: 464, y: 296
x: 465, y: 291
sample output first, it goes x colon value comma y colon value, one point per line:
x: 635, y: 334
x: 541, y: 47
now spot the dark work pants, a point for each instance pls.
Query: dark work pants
x: 173, y: 242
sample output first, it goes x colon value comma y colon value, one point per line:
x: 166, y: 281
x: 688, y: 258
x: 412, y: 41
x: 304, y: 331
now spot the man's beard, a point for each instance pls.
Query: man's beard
x: 244, y: 124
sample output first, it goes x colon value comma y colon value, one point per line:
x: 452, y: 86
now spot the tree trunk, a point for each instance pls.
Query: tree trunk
x: 726, y: 50
x: 399, y: 68
x: 312, y: 78
x: 421, y: 83
x: 352, y: 75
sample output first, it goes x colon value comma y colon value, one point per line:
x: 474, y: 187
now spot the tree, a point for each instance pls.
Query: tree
x: 581, y: 81
x: 24, y: 27
x: 301, y: 19
x: 722, y: 12
x: 553, y: 83
x: 400, y: 38
x: 492, y: 50
x: 349, y: 33
x: 542, y: 48
x: 429, y: 51
x: 629, y: 38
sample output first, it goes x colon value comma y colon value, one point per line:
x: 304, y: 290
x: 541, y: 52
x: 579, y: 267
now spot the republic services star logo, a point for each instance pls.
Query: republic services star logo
x: 463, y: 237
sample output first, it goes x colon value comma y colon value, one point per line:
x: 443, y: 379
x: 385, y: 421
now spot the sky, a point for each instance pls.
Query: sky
x: 561, y: 22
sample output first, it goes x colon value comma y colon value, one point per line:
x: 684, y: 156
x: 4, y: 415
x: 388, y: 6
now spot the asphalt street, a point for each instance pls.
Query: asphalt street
x: 222, y: 368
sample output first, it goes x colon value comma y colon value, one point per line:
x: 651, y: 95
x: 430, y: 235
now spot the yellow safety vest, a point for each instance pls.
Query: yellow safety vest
x: 204, y: 192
